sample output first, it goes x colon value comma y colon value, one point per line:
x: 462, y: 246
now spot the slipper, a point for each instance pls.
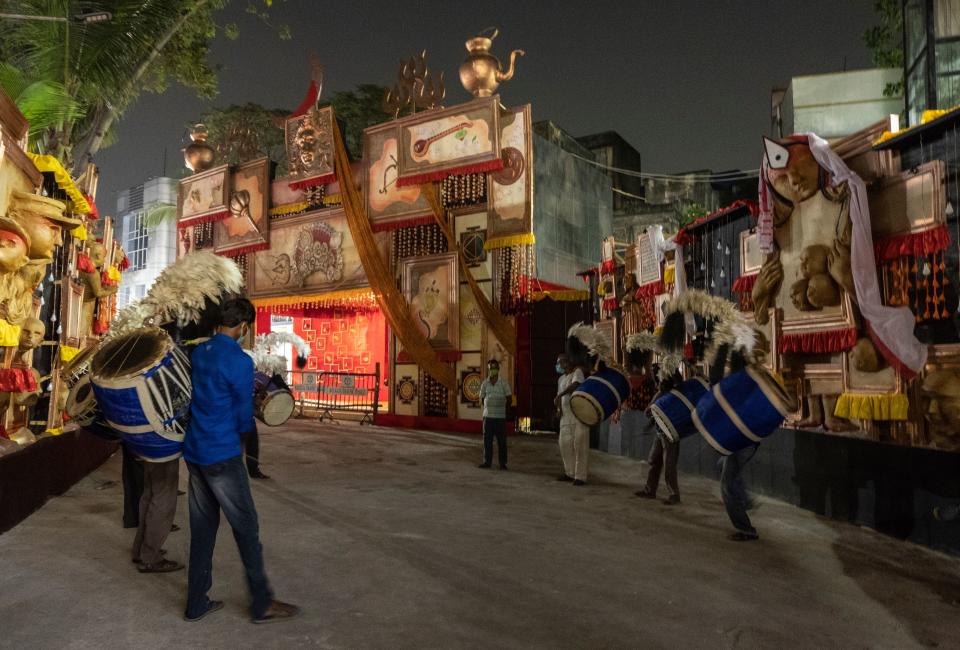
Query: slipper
x: 644, y: 493
x: 163, y: 566
x: 741, y: 536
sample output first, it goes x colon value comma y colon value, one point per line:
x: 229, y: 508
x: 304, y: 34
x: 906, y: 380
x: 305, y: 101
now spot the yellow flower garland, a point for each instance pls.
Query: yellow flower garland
x: 67, y: 353
x: 47, y: 163
x: 526, y: 239
x: 9, y: 334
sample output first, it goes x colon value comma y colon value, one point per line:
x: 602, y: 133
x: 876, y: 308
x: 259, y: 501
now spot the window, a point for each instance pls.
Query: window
x: 137, y: 240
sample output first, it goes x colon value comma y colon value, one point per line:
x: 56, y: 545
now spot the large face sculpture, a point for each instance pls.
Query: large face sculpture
x: 42, y: 219
x: 306, y: 141
x: 792, y: 172
x: 14, y: 245
x: 98, y: 254
x: 31, y: 334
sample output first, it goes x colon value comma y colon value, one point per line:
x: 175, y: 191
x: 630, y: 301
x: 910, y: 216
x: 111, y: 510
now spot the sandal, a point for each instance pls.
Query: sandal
x: 646, y: 493
x: 741, y: 536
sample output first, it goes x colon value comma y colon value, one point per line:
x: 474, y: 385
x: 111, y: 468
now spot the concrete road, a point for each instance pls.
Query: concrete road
x: 394, y: 539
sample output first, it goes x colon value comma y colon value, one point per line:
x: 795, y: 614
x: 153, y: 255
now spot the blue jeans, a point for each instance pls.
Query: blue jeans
x: 212, y: 488
x: 734, y: 492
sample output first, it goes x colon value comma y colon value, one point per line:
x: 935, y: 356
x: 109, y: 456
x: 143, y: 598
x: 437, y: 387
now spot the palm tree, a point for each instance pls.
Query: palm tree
x: 99, y: 69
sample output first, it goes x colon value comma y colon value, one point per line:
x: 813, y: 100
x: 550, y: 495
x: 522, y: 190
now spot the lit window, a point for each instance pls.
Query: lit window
x: 137, y: 240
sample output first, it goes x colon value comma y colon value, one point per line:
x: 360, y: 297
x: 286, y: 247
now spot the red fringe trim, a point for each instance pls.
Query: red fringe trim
x: 744, y: 284
x: 207, y: 218
x: 387, y: 226
x: 428, y: 177
x: 313, y: 181
x: 651, y: 289
x: 447, y: 356
x: 85, y: 264
x: 609, y: 304
x: 608, y: 266
x: 17, y: 380
x: 905, y: 371
x: 818, y: 342
x: 914, y: 244
x: 106, y: 280
x: 243, y: 250
x: 94, y: 214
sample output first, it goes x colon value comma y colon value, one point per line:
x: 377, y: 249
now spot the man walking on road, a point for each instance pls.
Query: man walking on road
x: 221, y: 409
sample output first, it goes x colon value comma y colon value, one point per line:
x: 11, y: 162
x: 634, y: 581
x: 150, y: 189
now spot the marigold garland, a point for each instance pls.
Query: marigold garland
x: 362, y: 298
x: 46, y: 163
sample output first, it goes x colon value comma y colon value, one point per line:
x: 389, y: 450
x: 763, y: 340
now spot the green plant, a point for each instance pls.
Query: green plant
x: 885, y: 41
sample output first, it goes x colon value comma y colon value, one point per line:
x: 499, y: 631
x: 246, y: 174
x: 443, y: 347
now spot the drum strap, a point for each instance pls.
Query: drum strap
x: 606, y: 383
x: 732, y: 414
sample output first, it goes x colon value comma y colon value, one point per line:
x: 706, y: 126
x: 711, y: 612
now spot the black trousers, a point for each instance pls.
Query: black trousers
x: 495, y: 428
x: 132, y: 473
x: 251, y: 441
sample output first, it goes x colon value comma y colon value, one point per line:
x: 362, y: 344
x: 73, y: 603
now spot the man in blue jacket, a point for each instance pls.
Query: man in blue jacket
x: 221, y: 409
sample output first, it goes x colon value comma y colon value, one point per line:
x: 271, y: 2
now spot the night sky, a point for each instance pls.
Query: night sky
x: 686, y: 82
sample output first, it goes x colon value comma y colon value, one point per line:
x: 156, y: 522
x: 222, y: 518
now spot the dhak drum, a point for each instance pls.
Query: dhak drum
x: 81, y: 402
x: 599, y: 396
x: 141, y: 381
x: 742, y: 409
x: 673, y: 412
x: 273, y: 401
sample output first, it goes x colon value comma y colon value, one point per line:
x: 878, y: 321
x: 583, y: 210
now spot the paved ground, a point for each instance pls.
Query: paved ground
x: 393, y: 539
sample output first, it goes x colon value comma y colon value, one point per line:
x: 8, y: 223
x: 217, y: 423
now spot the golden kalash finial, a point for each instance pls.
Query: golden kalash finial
x: 416, y: 87
x: 198, y: 156
x: 481, y: 73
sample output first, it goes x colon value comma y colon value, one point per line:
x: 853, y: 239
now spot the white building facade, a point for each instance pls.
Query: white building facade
x: 150, y: 249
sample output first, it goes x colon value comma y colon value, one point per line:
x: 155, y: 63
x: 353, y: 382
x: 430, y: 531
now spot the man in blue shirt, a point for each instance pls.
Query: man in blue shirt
x: 221, y: 409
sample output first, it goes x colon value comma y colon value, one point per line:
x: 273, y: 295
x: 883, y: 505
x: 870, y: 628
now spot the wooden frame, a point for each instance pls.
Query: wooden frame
x: 912, y: 201
x: 270, y: 264
x: 259, y: 209
x: 420, y: 302
x: 71, y: 314
x: 322, y: 123
x: 508, y: 177
x: 749, y: 241
x: 852, y: 385
x: 817, y: 323
x: 772, y: 331
x: 214, y: 183
x: 384, y: 201
x: 416, y: 129
x: 648, y: 266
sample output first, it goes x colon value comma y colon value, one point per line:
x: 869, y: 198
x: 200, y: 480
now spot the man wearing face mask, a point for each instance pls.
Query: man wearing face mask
x: 221, y: 410
x: 494, y: 395
x: 574, y: 434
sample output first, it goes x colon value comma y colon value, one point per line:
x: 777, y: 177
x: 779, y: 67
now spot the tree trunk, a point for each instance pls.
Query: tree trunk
x: 108, y: 116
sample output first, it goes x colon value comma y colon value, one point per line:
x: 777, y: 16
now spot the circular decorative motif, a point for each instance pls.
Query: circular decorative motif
x: 407, y: 389
x: 471, y: 386
x: 347, y: 381
x: 513, y: 165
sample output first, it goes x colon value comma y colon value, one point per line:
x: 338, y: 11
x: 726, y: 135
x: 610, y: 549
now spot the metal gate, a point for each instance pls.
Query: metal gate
x: 328, y: 393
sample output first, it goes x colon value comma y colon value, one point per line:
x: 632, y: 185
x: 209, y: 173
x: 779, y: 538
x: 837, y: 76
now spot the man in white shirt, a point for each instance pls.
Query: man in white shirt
x: 495, y: 396
x: 574, y: 434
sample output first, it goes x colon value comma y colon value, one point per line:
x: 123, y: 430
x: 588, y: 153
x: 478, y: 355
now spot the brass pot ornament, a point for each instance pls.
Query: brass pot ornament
x: 481, y: 72
x: 198, y: 156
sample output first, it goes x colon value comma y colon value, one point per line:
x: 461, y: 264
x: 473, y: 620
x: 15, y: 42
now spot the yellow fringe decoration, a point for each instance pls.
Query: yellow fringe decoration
x: 80, y: 232
x: 54, y: 432
x: 669, y: 274
x: 561, y: 295
x: 67, y: 353
x: 50, y: 164
x: 362, y: 296
x: 526, y: 239
x: 288, y: 208
x: 113, y: 273
x: 888, y: 406
x: 9, y: 334
x: 332, y: 199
